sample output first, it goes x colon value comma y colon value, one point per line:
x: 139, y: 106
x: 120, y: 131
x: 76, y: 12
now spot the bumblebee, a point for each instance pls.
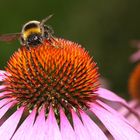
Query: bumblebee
x: 33, y: 33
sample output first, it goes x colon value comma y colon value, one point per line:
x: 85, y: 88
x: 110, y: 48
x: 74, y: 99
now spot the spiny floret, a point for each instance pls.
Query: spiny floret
x: 62, y: 74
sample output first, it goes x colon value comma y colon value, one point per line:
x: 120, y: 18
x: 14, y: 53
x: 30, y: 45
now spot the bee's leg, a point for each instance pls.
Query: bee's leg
x: 22, y: 42
x: 49, y: 41
x: 52, y: 41
x: 27, y: 46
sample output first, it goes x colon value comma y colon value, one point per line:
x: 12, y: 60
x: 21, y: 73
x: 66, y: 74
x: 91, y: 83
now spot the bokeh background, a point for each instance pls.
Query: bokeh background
x: 105, y: 28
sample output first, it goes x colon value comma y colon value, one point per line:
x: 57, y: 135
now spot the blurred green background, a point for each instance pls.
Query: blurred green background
x: 103, y: 27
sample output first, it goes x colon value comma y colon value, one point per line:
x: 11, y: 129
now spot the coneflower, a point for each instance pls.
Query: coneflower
x: 50, y: 92
x: 134, y: 103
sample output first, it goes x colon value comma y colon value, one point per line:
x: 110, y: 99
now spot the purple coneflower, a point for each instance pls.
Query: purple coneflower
x: 134, y: 90
x: 50, y: 92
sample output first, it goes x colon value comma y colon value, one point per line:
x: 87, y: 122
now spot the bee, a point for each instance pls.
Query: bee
x: 32, y: 34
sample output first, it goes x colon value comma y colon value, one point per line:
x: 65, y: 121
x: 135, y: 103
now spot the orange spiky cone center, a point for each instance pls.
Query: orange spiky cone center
x: 60, y: 75
x: 134, y: 83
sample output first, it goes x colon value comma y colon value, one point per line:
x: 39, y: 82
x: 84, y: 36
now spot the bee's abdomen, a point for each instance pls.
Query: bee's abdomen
x: 30, y: 26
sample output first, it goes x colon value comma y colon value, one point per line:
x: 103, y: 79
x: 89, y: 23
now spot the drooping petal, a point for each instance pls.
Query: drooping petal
x: 2, y: 87
x: 95, y: 132
x: 4, y: 109
x: 138, y: 110
x: 111, y: 110
x: 135, y: 122
x: 23, y: 132
x: 134, y: 104
x: 3, y: 102
x: 132, y: 118
x: 8, y: 127
x: 67, y: 131
x: 79, y: 128
x: 39, y: 127
x: 3, y: 94
x: 108, y: 95
x: 119, y: 129
x: 52, y: 129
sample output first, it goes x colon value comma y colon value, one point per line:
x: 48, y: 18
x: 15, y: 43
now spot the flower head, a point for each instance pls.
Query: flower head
x: 134, y: 83
x: 50, y: 92
x: 134, y: 103
x: 52, y: 76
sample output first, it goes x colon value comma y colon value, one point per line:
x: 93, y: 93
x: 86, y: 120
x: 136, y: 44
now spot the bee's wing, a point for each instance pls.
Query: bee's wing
x: 10, y: 37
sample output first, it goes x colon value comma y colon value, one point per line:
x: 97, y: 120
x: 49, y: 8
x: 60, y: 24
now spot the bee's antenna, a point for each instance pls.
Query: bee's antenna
x: 45, y: 19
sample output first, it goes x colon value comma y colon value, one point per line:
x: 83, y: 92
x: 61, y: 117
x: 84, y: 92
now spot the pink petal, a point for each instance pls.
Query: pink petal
x: 133, y: 103
x: 108, y: 95
x: 8, y: 127
x: 80, y: 129
x: 135, y: 120
x: 3, y: 102
x: 2, y: 75
x: 95, y: 132
x: 52, y: 129
x: 116, y: 126
x: 2, y: 72
x: 132, y: 119
x: 67, y: 131
x: 138, y: 110
x: 4, y: 109
x: 2, y: 87
x: 23, y: 132
x: 135, y: 57
x: 3, y: 93
x: 39, y: 127
x: 111, y: 110
x: 123, y: 111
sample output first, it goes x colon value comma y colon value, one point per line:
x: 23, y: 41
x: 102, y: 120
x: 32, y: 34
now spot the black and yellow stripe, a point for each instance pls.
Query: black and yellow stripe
x: 32, y: 30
